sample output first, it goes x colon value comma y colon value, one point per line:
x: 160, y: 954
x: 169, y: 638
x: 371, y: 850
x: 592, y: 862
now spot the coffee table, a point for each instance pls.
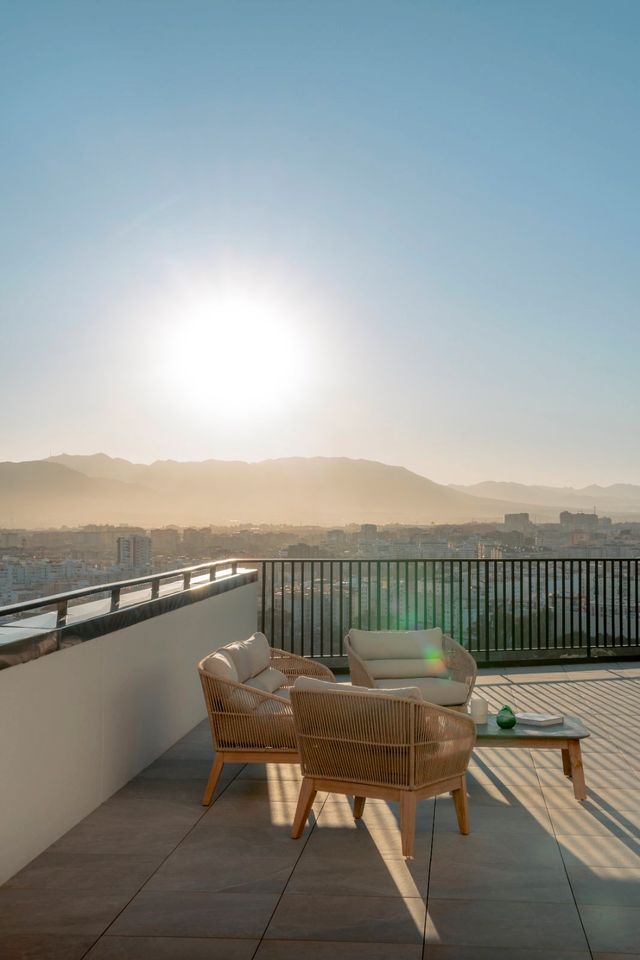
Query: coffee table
x: 565, y: 737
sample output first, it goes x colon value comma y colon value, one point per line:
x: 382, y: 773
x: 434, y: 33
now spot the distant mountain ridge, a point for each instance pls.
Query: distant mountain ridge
x: 328, y: 491
x: 73, y: 490
x: 617, y: 499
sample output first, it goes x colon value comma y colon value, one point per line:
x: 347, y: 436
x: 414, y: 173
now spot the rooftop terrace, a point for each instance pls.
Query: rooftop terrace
x: 152, y: 874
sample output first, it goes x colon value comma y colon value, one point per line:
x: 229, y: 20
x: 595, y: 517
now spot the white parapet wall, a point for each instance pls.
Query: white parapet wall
x: 77, y: 724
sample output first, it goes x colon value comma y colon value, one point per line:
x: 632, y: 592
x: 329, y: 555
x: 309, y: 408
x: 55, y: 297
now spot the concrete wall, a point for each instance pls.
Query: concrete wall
x: 76, y: 725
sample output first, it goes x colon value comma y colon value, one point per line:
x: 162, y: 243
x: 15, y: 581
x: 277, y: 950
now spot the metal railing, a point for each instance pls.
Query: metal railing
x: 501, y: 610
x: 182, y: 579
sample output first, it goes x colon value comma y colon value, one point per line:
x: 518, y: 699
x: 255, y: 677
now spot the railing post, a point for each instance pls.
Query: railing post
x: 186, y: 580
x: 234, y: 568
x: 115, y: 598
x: 213, y: 572
x: 155, y: 589
x: 61, y: 616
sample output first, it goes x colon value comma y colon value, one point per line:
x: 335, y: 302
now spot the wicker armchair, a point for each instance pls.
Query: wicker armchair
x: 370, y: 744
x: 396, y: 658
x: 250, y: 725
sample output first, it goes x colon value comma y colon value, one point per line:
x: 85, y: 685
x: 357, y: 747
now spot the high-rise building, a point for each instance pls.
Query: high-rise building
x: 134, y: 552
x: 166, y: 541
x: 517, y: 522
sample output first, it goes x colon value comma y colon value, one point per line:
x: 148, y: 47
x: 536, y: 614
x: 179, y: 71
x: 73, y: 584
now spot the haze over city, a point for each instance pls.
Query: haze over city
x: 402, y: 232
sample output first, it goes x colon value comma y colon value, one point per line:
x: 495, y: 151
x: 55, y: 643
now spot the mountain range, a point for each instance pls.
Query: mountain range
x: 73, y: 490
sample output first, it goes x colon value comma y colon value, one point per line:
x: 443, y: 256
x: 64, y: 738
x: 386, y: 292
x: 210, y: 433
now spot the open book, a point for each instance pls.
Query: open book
x: 540, y: 719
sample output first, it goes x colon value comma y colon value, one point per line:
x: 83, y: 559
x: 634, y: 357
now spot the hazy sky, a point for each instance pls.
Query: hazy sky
x: 406, y: 231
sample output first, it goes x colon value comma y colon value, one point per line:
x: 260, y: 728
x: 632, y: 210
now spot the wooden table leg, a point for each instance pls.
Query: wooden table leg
x: 566, y: 763
x: 577, y: 770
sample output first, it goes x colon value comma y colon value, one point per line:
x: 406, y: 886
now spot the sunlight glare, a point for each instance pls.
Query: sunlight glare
x: 239, y: 347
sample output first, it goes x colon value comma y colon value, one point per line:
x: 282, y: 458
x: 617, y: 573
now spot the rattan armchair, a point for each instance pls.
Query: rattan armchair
x: 375, y: 745
x: 458, y: 668
x: 250, y: 725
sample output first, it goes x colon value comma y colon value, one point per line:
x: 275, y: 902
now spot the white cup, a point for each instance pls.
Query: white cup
x: 479, y: 710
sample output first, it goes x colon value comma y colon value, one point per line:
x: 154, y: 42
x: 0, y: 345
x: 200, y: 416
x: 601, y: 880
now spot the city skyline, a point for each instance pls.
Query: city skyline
x: 400, y: 232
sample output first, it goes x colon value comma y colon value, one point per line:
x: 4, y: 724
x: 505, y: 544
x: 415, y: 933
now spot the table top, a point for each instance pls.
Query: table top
x: 572, y: 729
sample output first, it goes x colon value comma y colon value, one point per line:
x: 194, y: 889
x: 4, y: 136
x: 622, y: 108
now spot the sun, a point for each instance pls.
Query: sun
x: 243, y: 346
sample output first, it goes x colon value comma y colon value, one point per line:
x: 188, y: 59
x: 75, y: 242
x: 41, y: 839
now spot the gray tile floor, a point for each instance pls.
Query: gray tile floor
x: 152, y: 874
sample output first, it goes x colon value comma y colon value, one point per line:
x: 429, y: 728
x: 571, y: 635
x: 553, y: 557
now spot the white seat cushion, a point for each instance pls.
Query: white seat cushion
x: 390, y: 669
x: 398, y: 645
x: 409, y: 691
x: 444, y: 693
x: 268, y: 680
x: 271, y: 708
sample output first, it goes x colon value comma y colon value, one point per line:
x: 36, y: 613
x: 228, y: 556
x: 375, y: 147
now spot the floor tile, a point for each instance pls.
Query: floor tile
x: 600, y: 851
x: 614, y: 929
x: 619, y: 799
x: 171, y: 948
x: 480, y: 849
x: 605, y: 886
x: 483, y: 923
x: 43, y: 947
x: 589, y: 820
x: 502, y: 881
x: 196, y: 914
x: 367, y: 874
x: 271, y: 772
x: 225, y: 844
x: 147, y: 828
x: 435, y: 952
x: 330, y: 842
x: 197, y: 868
x: 66, y: 911
x: 360, y: 919
x: 616, y: 956
x: 334, y: 950
x: 86, y: 871
x: 495, y: 820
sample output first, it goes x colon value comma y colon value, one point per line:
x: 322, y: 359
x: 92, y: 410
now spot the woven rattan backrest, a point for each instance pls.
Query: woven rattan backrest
x: 355, y: 737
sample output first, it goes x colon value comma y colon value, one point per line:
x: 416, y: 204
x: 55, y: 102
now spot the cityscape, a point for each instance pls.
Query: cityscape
x: 38, y: 563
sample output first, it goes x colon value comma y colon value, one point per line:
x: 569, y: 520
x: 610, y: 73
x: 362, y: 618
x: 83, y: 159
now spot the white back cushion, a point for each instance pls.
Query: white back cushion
x: 220, y: 664
x: 239, y: 653
x: 259, y: 653
x: 241, y: 660
x: 424, y: 645
x: 326, y: 686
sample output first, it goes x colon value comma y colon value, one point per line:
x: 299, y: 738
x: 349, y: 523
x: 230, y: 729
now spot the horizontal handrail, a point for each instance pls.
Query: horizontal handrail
x: 61, y: 600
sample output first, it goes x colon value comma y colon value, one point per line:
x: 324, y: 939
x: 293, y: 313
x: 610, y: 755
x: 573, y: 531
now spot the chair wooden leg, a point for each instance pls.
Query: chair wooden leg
x: 566, y: 763
x: 462, y: 806
x: 216, y: 770
x: 358, y: 807
x: 407, y: 821
x: 305, y: 802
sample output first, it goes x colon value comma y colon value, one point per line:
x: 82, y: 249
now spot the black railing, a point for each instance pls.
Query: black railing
x: 501, y: 610
x: 154, y: 583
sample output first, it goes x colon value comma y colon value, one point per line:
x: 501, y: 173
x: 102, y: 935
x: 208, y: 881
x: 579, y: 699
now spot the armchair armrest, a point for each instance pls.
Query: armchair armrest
x: 444, y: 740
x: 243, y: 718
x: 294, y: 666
x: 360, y: 676
x: 459, y: 662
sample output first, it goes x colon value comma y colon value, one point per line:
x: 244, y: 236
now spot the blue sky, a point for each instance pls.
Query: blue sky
x: 406, y: 231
